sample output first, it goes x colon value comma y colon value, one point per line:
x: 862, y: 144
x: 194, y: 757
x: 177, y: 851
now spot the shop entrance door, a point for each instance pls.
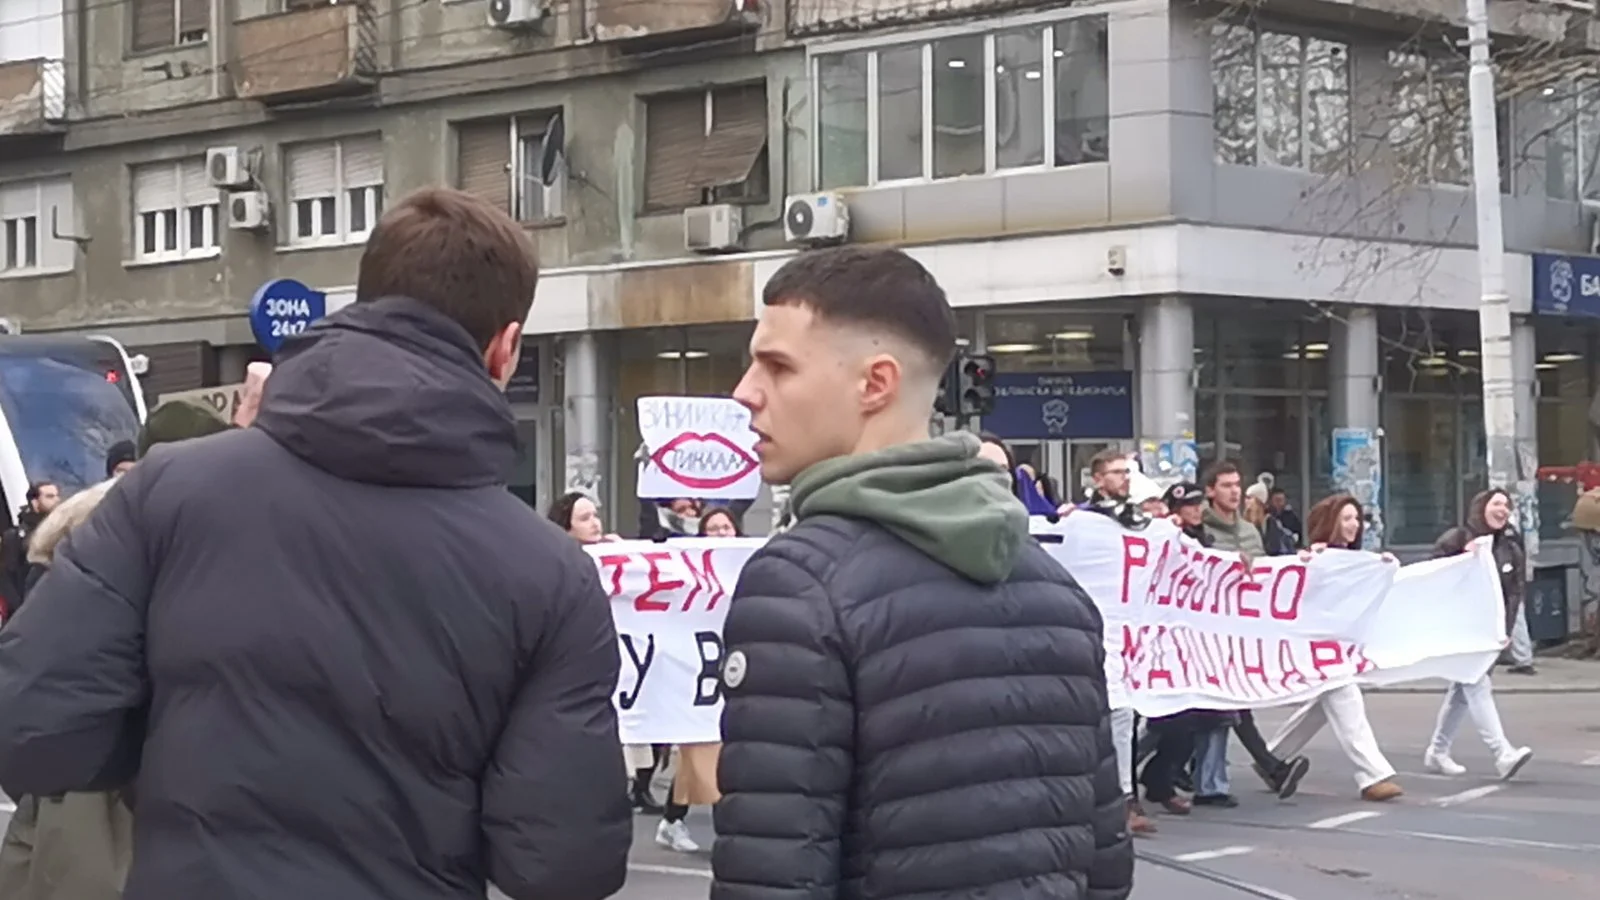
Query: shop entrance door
x: 1067, y: 462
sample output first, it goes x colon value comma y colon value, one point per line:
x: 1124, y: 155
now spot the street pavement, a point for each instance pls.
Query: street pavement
x: 1466, y: 838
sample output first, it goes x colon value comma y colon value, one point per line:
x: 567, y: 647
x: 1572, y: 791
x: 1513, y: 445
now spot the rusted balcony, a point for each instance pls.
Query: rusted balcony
x: 33, y: 98
x: 311, y: 52
x: 679, y: 23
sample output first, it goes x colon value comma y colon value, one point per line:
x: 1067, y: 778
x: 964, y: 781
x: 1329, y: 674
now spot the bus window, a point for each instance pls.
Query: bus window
x: 65, y: 403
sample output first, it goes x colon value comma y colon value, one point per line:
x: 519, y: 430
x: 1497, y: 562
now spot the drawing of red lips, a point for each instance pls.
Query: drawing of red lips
x: 742, y: 463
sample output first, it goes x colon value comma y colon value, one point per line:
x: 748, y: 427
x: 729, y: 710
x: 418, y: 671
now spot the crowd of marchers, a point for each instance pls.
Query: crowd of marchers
x: 321, y: 652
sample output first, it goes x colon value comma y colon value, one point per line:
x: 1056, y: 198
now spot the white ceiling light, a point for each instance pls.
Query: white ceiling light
x: 957, y: 64
x: 1562, y: 357
x: 1466, y: 353
x: 1318, y: 347
x: 1032, y: 75
x: 1544, y: 365
x: 682, y: 354
x: 1012, y: 348
x: 962, y: 342
x: 1081, y: 334
x: 1433, y: 362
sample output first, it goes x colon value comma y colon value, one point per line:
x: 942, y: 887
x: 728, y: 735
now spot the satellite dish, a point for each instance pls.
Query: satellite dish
x: 552, y: 149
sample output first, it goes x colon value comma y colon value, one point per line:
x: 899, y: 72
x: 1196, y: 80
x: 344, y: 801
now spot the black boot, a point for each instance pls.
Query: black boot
x: 642, y: 802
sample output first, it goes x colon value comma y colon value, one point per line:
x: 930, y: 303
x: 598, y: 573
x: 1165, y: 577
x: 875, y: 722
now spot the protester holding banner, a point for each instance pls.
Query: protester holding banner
x: 1336, y: 523
x: 915, y: 691
x: 1488, y: 516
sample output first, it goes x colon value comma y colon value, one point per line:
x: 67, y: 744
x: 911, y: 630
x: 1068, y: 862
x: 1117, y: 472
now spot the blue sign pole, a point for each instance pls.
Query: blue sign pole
x: 282, y: 309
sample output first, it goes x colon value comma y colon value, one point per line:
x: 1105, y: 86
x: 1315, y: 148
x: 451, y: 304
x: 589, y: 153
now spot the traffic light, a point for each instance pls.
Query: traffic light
x: 947, y: 402
x: 976, y: 385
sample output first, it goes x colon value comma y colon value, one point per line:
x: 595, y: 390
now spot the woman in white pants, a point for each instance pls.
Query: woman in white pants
x: 1489, y: 515
x: 1336, y: 522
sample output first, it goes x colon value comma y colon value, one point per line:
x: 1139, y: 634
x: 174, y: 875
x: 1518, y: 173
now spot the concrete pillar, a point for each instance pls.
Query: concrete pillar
x: 1355, y: 405
x: 587, y: 420
x: 1166, y: 389
x: 1525, y: 397
x: 1353, y: 368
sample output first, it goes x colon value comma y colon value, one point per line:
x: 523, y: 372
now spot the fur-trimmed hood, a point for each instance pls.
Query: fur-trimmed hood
x: 71, y: 513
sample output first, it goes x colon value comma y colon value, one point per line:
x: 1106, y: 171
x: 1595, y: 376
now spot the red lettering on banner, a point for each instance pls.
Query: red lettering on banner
x: 1259, y: 669
x: 1228, y: 583
x: 1158, y: 669
x: 643, y: 603
x: 1135, y: 555
x: 1293, y: 610
x: 1227, y: 648
x: 1211, y: 662
x: 1180, y: 636
x: 1189, y: 593
x: 1152, y: 594
x: 1251, y: 585
x: 1325, y: 654
x: 616, y: 562
x: 1290, y: 670
x: 1358, y: 653
x: 1132, y: 645
x: 705, y: 576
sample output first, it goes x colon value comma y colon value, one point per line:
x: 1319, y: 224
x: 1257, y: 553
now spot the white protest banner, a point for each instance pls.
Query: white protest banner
x: 697, y: 447
x: 669, y: 601
x: 1185, y: 627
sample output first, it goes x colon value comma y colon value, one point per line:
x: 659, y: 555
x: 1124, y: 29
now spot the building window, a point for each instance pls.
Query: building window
x: 22, y: 218
x: 335, y: 190
x: 1280, y: 99
x: 1572, y: 140
x: 499, y: 160
x: 1428, y: 130
x: 1022, y: 98
x: 158, y: 24
x: 175, y: 211
x: 706, y: 147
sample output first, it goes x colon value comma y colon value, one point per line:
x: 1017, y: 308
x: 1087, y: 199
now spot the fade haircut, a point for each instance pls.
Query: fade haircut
x: 1217, y: 470
x: 454, y: 252
x: 1106, y: 457
x: 874, y: 287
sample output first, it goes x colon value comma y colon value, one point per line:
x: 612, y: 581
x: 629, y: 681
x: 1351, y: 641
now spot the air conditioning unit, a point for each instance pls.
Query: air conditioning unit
x: 225, y: 168
x: 708, y: 229
x: 816, y: 218
x: 514, y: 15
x: 249, y: 211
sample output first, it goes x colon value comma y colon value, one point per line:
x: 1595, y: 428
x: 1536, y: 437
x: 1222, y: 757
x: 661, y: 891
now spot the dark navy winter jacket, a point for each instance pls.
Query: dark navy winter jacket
x: 898, y: 731
x: 338, y: 659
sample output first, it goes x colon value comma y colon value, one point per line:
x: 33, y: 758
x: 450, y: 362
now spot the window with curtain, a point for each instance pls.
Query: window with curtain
x: 160, y: 24
x: 706, y: 146
x: 499, y: 160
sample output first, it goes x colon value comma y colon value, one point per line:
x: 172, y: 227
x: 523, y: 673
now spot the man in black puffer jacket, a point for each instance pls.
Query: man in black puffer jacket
x: 915, y: 691
x: 337, y: 657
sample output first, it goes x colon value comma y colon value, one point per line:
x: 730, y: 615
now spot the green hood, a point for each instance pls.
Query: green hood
x: 936, y: 495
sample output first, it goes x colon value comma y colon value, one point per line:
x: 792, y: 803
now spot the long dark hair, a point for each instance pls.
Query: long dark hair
x: 1322, y: 522
x: 560, y: 512
x: 989, y: 437
x: 711, y: 512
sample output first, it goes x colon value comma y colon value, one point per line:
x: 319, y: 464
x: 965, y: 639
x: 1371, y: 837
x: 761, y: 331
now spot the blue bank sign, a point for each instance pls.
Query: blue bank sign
x: 1566, y: 285
x: 282, y: 309
x: 1062, y: 405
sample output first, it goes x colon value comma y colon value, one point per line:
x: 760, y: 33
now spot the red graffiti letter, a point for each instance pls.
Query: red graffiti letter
x: 1325, y: 654
x: 1135, y: 555
x: 643, y: 603
x: 1292, y: 611
x: 616, y: 563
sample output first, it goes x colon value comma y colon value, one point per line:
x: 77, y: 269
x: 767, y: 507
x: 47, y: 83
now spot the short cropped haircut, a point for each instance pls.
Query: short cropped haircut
x: 1217, y: 470
x: 456, y: 253
x: 1106, y: 457
x: 877, y: 287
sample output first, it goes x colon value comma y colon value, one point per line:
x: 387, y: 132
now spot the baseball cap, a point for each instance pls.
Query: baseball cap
x: 1184, y: 493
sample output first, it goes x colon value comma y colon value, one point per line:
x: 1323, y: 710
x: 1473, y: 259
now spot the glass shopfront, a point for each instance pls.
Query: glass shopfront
x: 1566, y: 352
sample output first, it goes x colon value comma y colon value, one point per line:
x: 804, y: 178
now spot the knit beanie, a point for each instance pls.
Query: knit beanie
x: 179, y: 420
x: 120, y: 452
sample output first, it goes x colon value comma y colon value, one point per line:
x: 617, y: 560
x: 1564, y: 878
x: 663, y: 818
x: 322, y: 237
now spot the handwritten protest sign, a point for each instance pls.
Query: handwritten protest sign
x: 700, y: 447
x: 224, y: 399
x: 1185, y: 627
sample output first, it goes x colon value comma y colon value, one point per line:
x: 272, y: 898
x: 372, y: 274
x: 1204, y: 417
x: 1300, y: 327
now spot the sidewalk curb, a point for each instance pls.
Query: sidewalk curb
x: 1500, y: 689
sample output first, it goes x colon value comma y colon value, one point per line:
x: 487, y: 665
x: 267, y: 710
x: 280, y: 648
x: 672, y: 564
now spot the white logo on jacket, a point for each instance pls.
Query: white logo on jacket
x: 733, y: 670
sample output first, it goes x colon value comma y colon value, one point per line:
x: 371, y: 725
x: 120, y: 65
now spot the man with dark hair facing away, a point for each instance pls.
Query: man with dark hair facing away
x: 335, y: 656
x: 915, y: 691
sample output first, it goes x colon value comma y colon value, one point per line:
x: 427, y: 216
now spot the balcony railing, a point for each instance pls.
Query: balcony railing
x: 33, y: 97
x: 310, y: 52
x: 676, y: 22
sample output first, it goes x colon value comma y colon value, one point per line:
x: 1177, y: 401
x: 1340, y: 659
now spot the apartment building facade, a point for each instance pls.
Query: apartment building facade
x: 1258, y: 213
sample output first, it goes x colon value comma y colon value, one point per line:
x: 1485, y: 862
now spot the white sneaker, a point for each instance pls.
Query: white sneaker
x: 675, y: 836
x: 1512, y: 762
x: 1442, y: 764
